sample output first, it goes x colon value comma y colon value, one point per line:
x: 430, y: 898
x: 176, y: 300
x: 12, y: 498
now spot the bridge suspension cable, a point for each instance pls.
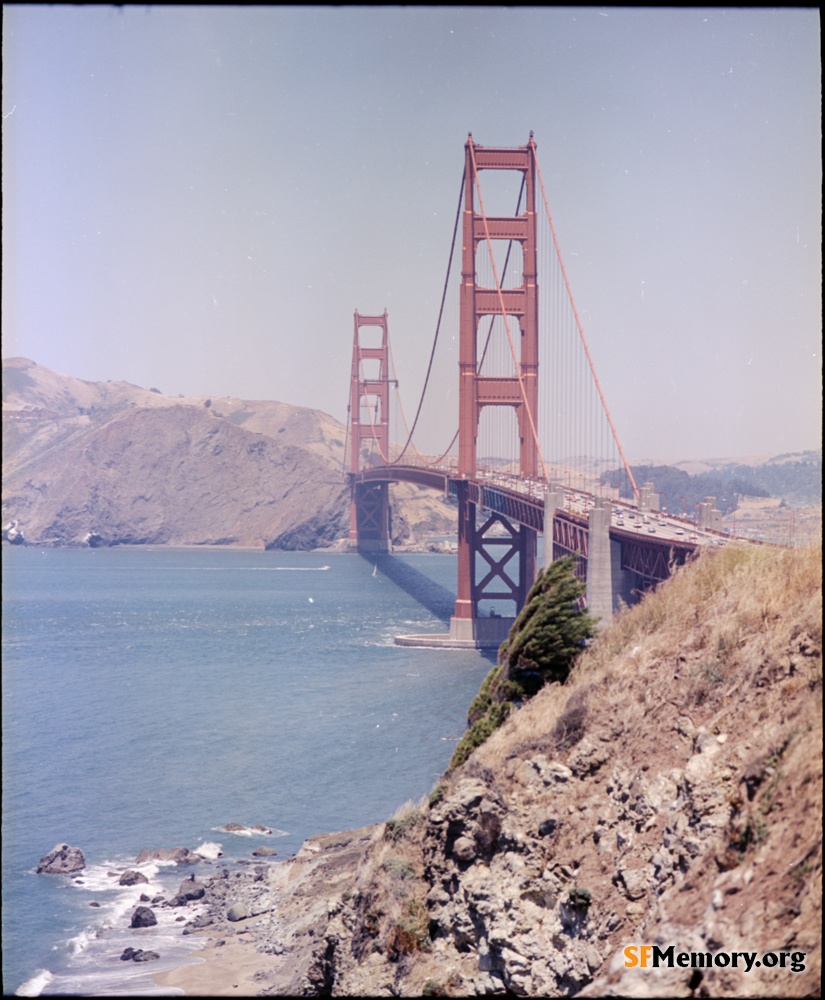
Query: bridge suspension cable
x: 409, y: 444
x: 411, y: 430
x: 402, y: 412
x: 581, y: 332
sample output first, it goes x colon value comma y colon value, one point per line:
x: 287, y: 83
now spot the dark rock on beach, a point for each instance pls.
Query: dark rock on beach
x: 138, y: 955
x: 143, y: 917
x: 264, y: 852
x: 132, y: 877
x: 61, y: 860
x: 192, y: 889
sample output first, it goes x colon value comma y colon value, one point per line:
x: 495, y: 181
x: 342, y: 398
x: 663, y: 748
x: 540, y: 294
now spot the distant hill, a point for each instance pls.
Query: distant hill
x: 114, y: 463
x: 794, y: 478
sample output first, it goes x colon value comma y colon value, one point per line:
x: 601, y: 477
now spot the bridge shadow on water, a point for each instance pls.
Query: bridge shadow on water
x: 438, y: 600
x: 430, y: 595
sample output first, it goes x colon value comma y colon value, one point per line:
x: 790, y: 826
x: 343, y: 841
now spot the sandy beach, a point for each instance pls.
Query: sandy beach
x: 225, y: 966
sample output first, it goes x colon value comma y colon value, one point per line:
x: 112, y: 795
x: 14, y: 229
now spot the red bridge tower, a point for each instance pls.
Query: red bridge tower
x: 485, y: 551
x: 370, y: 524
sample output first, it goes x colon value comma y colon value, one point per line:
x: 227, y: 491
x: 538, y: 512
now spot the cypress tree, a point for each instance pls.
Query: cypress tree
x: 544, y: 641
x: 550, y: 630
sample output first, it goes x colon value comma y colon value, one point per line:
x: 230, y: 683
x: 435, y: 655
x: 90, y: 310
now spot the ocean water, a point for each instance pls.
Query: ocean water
x: 151, y: 696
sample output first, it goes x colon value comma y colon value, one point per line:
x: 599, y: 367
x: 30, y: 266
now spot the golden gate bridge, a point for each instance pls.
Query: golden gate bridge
x: 515, y: 425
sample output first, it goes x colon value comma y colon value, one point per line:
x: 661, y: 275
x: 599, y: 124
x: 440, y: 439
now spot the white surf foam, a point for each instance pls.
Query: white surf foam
x: 35, y: 985
x: 251, y: 831
x: 209, y: 850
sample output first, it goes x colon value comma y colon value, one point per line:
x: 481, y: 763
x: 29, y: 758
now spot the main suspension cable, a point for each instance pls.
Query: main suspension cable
x: 437, y: 327
x: 394, y: 381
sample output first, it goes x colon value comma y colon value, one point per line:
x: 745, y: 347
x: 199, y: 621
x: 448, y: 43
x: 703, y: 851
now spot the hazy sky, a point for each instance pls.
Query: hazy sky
x: 198, y: 198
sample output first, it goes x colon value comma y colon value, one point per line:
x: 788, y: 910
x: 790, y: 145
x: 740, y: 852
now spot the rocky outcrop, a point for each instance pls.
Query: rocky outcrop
x: 12, y: 534
x: 131, y: 877
x: 180, y: 855
x: 61, y: 860
x: 288, y: 910
x: 246, y: 830
x: 192, y: 889
x: 143, y: 916
x: 496, y: 889
x: 318, y: 531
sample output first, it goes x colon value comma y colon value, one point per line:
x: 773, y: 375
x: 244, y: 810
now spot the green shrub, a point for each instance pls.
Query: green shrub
x: 399, y: 827
x: 398, y: 868
x: 579, y: 898
x: 484, y: 726
x: 437, y: 794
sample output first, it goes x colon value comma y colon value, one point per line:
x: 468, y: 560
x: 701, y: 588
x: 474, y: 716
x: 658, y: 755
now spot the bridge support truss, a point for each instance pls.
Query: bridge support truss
x: 487, y: 550
x: 370, y: 529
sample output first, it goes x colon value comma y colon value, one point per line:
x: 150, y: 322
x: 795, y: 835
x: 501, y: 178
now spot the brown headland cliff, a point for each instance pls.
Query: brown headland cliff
x: 110, y: 463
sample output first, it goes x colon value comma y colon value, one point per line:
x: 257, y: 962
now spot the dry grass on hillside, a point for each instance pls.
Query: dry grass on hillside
x: 715, y: 628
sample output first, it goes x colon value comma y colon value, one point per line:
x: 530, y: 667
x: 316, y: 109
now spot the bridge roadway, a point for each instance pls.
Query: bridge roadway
x: 620, y: 549
x: 523, y: 502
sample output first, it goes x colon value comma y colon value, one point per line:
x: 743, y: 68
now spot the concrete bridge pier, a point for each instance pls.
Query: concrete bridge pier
x: 608, y: 585
x: 599, y: 561
x: 648, y: 498
x: 710, y: 519
x: 553, y: 501
x: 479, y: 633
